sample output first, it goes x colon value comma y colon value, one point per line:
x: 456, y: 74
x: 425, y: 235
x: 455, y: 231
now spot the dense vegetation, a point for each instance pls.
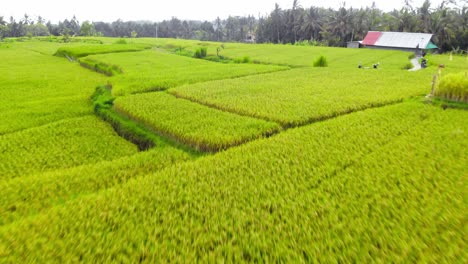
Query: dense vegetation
x: 297, y: 25
x: 99, y: 168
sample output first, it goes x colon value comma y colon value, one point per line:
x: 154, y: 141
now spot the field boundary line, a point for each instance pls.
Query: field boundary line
x: 174, y: 140
x: 288, y: 125
x: 46, y: 124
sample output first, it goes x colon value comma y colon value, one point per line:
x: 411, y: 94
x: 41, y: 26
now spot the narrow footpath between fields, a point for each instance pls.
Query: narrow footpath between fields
x: 416, y: 65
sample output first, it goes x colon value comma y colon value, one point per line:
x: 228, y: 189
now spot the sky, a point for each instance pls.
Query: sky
x: 155, y: 10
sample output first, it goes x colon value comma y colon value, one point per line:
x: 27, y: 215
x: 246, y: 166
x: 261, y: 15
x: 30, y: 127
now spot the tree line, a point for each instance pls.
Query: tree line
x: 296, y: 25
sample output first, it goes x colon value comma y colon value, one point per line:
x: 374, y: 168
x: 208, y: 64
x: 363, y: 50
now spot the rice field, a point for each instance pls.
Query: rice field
x: 301, y: 96
x: 36, y: 89
x: 341, y: 199
x: 294, y: 56
x: 152, y: 70
x: 273, y: 160
x: 34, y: 193
x: 62, y: 144
x: 198, y: 126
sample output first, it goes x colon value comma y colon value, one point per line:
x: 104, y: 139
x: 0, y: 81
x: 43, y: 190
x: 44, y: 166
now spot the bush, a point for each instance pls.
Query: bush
x: 408, y: 66
x: 183, y: 52
x: 412, y: 56
x: 107, y: 69
x: 321, y: 62
x: 200, y: 52
x: 453, y: 87
x: 121, y: 41
x: 245, y: 59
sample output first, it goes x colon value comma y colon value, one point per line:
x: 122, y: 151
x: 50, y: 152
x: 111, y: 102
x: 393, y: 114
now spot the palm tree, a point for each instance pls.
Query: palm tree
x: 340, y: 23
x: 277, y: 22
x: 425, y: 16
x: 312, y: 23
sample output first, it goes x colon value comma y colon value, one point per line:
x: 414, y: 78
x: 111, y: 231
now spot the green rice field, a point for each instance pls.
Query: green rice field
x: 134, y: 151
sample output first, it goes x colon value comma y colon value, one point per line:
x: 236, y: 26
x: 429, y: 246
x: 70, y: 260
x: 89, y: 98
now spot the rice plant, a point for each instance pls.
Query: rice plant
x: 453, y: 86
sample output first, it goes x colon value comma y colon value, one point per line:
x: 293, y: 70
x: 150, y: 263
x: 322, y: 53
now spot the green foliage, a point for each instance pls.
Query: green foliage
x: 200, y: 52
x: 183, y: 52
x: 321, y: 62
x: 412, y: 56
x: 120, y: 41
x: 66, y: 38
x: 201, y: 127
x: 100, y: 67
x: 407, y: 66
x: 87, y: 29
x: 245, y: 59
x: 453, y: 86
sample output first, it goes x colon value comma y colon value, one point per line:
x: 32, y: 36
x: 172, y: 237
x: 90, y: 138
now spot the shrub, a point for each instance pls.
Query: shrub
x: 66, y: 38
x: 245, y: 59
x: 408, y: 66
x: 453, y: 87
x: 200, y: 52
x: 321, y: 62
x: 183, y: 52
x: 411, y: 56
x: 121, y: 41
x: 107, y: 69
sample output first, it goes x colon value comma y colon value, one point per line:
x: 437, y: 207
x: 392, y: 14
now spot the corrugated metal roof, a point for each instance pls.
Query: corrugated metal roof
x: 371, y: 38
x: 400, y: 39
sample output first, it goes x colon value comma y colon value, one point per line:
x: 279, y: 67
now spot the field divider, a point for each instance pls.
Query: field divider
x: 175, y: 139
x: 45, y: 124
x: 166, y: 88
x: 128, y: 128
x: 285, y: 124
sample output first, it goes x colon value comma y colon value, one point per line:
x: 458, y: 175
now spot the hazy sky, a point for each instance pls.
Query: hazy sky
x: 111, y: 10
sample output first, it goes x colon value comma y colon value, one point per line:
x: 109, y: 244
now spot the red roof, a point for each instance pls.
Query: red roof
x: 371, y: 38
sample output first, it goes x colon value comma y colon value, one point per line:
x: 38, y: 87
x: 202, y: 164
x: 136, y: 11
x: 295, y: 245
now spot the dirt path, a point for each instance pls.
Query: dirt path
x: 416, y: 65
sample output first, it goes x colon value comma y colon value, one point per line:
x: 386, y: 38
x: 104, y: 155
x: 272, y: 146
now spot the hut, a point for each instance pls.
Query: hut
x: 354, y: 44
x: 405, y: 41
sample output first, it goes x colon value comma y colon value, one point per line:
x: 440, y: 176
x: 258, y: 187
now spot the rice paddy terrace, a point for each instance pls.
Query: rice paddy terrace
x: 136, y: 151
